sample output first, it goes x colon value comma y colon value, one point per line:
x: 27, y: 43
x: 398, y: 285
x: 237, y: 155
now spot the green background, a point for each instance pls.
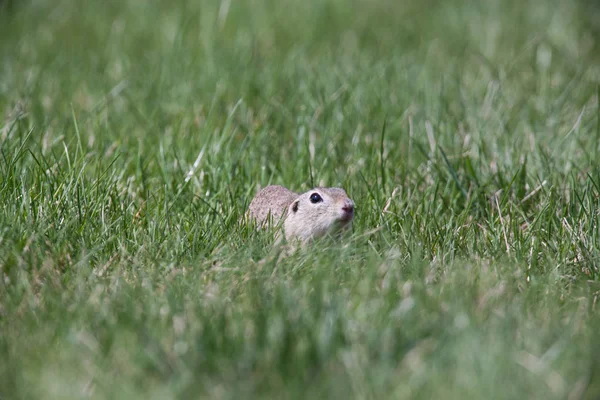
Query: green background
x: 133, y: 135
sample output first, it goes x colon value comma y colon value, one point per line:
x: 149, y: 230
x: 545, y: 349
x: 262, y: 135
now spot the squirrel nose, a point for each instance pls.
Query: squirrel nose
x: 348, y: 207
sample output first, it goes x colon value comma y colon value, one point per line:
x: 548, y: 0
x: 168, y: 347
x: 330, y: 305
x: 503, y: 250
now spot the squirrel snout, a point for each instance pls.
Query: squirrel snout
x: 348, y: 206
x: 348, y: 211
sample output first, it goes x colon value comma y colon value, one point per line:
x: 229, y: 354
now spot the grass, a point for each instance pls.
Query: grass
x: 134, y: 134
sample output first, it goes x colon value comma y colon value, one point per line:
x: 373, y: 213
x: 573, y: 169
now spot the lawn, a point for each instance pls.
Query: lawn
x: 133, y: 135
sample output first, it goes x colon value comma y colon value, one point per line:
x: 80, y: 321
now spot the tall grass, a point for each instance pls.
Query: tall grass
x: 133, y: 135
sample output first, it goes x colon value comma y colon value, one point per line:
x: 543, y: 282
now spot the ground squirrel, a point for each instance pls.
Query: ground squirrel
x: 308, y: 215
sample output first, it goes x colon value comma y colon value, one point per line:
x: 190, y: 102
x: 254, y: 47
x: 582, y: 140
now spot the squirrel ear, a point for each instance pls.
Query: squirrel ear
x: 295, y: 206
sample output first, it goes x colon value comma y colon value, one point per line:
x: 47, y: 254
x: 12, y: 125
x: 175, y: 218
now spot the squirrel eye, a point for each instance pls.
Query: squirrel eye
x: 315, y: 198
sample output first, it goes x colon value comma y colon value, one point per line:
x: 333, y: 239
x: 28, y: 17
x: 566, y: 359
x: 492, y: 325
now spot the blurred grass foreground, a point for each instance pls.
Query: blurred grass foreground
x: 133, y: 135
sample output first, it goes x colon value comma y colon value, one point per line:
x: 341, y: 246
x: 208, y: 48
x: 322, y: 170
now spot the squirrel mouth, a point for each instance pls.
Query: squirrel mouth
x: 347, y: 216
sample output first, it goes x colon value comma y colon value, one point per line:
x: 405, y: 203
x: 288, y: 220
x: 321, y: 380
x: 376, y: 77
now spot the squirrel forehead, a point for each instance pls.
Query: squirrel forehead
x: 334, y: 192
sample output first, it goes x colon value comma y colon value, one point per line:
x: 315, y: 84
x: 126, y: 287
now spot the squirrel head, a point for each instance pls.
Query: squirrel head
x: 318, y: 212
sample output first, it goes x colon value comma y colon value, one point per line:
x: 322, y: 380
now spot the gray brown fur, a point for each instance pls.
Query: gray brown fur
x: 302, y: 218
x: 273, y: 200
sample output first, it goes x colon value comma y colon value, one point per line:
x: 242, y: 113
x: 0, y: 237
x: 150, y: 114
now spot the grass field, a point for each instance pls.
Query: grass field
x: 133, y: 135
